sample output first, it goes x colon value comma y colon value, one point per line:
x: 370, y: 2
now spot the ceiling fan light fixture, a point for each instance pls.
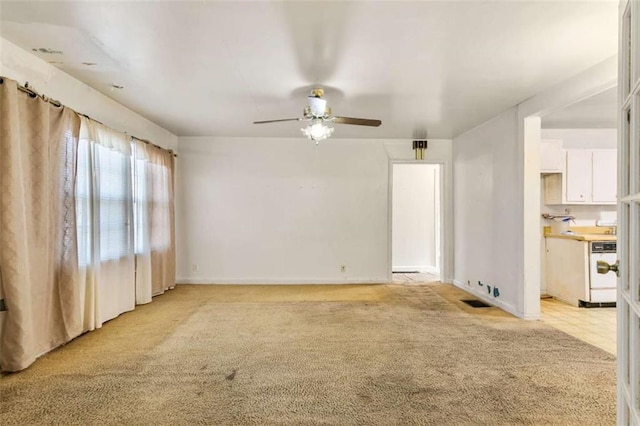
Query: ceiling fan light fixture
x: 318, y: 106
x: 317, y: 131
x: 317, y: 113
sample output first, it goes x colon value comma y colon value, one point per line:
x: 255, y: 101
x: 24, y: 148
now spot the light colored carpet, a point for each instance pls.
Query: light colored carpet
x: 339, y: 355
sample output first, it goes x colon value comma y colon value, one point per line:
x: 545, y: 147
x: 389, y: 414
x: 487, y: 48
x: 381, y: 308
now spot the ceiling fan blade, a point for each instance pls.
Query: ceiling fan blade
x: 276, y: 121
x: 357, y: 121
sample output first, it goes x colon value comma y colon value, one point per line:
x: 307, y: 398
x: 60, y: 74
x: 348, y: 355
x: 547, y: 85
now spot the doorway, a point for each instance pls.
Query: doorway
x: 578, y: 218
x: 416, y: 231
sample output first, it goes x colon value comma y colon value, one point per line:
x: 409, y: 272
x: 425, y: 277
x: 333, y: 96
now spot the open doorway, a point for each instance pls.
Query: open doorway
x: 578, y: 221
x: 416, y: 231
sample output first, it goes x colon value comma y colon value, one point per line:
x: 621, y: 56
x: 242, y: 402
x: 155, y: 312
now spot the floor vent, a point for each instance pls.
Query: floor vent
x: 476, y: 303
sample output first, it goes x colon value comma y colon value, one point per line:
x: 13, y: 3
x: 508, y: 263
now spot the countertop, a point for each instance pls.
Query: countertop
x: 584, y: 233
x: 584, y: 237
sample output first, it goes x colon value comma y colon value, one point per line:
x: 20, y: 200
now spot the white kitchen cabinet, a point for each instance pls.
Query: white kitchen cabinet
x: 605, y: 186
x: 551, y: 156
x: 567, y: 269
x: 578, y: 176
x: 554, y: 189
x: 589, y: 177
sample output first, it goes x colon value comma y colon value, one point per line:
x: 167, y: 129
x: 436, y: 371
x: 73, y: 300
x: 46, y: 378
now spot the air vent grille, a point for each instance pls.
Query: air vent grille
x: 476, y: 303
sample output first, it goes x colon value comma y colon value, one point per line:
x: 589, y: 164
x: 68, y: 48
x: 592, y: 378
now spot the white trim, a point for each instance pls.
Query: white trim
x: 284, y: 281
x: 493, y: 301
x: 628, y: 308
x: 444, y: 259
x: 390, y: 220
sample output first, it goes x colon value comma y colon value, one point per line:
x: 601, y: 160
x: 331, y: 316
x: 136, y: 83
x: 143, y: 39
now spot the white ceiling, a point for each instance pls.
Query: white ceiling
x: 212, y: 68
x: 596, y: 112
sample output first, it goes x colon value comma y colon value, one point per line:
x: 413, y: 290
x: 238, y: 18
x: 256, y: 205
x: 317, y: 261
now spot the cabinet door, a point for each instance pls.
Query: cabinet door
x: 604, y: 176
x: 578, y: 179
x: 551, y: 155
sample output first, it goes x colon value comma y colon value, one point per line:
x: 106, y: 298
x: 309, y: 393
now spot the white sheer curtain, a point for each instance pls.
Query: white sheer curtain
x: 104, y: 222
x: 154, y: 220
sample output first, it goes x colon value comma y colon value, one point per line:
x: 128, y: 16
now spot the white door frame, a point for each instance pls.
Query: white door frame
x: 628, y: 250
x: 443, y: 260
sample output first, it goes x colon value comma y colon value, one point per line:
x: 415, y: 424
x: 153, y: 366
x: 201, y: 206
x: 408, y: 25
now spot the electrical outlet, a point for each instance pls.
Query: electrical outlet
x: 195, y: 267
x: 343, y: 268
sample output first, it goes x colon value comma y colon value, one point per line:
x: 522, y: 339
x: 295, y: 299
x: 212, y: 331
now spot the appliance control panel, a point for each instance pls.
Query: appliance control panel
x: 603, y: 247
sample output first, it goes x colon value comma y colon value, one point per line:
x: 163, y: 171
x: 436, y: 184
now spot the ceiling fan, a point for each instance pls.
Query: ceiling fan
x: 317, y: 113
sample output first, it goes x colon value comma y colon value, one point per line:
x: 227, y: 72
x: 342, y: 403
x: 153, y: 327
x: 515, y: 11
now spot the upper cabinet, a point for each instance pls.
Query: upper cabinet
x: 590, y: 177
x: 605, y: 185
x: 551, y: 156
x: 578, y: 176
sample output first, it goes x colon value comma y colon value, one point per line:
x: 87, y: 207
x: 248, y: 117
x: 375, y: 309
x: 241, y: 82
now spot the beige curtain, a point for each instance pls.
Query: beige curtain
x: 162, y: 221
x: 38, y: 255
x: 154, y: 213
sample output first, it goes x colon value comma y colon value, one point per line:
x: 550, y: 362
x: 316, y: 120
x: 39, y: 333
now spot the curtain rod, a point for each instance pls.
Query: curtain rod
x: 32, y: 93
x: 133, y: 137
x: 89, y: 118
x: 153, y: 144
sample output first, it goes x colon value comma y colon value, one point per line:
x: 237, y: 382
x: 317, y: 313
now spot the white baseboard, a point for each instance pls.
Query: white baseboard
x: 530, y: 317
x: 493, y: 301
x: 432, y: 270
x: 284, y: 281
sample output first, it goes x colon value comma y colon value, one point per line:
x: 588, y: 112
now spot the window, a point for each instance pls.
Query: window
x: 114, y: 195
x: 103, y: 203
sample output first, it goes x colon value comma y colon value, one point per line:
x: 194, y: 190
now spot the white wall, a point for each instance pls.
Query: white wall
x: 270, y: 210
x: 486, y: 196
x: 22, y: 66
x: 414, y: 228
